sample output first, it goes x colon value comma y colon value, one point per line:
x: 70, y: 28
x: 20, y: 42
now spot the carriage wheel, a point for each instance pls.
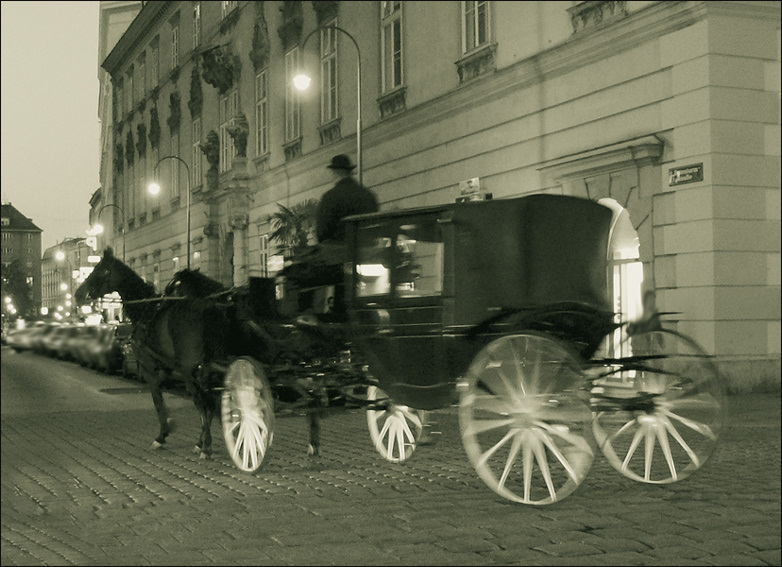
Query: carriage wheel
x: 674, y: 429
x: 395, y: 430
x: 247, y: 413
x: 525, y: 425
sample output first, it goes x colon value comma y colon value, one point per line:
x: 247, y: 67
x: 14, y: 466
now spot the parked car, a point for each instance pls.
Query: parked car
x: 20, y: 339
x: 111, y: 354
x: 81, y: 343
x: 38, y: 338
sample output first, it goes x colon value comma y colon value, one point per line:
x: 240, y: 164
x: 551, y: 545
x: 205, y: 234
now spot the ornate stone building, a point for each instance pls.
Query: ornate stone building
x: 666, y: 111
x: 21, y: 240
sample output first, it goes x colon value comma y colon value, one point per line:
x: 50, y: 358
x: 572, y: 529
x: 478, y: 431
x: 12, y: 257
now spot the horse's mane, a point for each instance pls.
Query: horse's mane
x: 193, y: 283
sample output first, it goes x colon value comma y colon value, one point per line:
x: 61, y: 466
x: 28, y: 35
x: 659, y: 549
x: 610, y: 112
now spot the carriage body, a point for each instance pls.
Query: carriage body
x: 424, y: 282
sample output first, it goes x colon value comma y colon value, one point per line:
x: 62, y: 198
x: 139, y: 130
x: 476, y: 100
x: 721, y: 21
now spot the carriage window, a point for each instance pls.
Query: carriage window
x: 419, y: 261
x: 372, y: 267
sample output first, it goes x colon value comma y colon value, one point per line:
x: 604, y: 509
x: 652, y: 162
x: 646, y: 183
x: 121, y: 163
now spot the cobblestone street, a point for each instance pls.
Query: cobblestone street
x: 84, y: 488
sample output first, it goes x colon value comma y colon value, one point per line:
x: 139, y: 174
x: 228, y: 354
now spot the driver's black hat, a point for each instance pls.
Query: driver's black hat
x: 341, y: 161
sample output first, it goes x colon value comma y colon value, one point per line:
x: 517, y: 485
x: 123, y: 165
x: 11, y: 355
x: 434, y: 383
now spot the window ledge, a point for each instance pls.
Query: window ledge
x: 261, y: 163
x: 479, y: 61
x: 292, y: 149
x: 330, y: 131
x: 393, y: 101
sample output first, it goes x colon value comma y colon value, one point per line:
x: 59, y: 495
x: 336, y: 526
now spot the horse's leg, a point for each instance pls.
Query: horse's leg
x: 154, y: 380
x: 313, y: 418
x: 210, y: 408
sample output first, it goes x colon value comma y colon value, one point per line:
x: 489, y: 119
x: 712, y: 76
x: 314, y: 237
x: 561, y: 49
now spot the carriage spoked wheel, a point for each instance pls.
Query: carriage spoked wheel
x: 247, y: 413
x: 525, y: 424
x: 669, y: 425
x: 394, y: 430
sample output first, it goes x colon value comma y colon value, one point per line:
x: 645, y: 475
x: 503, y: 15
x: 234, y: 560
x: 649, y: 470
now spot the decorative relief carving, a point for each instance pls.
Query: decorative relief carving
x: 141, y: 140
x: 292, y: 149
x: 211, y: 230
x: 211, y: 150
x: 477, y: 63
x: 292, y: 22
x: 392, y: 102
x: 240, y: 221
x: 221, y: 68
x: 196, y: 102
x: 175, y: 111
x: 330, y: 132
x: 592, y: 13
x: 325, y: 10
x: 154, y: 128
x: 259, y: 53
x: 239, y: 130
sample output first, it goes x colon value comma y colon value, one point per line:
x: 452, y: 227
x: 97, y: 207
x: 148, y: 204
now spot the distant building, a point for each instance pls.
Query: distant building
x: 21, y: 240
x: 64, y: 266
x: 106, y: 206
x: 666, y: 111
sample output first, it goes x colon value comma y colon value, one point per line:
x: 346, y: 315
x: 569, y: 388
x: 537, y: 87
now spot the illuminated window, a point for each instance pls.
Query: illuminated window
x: 175, y: 46
x: 196, y: 24
x: 229, y: 106
x: 261, y: 114
x: 229, y: 6
x: 292, y: 104
x: 475, y: 24
x: 196, y: 154
x: 391, y: 42
x: 328, y: 73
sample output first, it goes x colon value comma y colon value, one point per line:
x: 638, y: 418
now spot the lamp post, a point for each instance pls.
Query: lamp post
x: 98, y: 228
x: 302, y: 82
x: 154, y: 189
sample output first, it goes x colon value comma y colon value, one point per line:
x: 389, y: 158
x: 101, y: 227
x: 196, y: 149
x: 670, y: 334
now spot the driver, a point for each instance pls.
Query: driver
x: 346, y: 198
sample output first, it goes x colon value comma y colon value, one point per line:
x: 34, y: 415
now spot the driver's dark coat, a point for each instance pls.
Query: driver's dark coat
x: 346, y: 198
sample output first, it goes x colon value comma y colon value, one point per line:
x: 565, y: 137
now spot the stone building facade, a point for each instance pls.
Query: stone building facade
x: 21, y: 243
x: 669, y: 112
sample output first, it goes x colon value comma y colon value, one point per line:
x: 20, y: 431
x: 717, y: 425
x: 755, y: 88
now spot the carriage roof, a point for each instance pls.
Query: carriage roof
x: 519, y: 252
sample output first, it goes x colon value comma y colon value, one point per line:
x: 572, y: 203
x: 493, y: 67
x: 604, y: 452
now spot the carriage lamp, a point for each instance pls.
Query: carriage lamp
x: 302, y: 82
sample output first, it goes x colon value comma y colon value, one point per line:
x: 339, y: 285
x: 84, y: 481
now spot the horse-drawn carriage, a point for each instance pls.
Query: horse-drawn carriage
x: 498, y: 306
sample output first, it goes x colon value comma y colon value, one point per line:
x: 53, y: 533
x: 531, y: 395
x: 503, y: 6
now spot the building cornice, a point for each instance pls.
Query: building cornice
x: 149, y: 16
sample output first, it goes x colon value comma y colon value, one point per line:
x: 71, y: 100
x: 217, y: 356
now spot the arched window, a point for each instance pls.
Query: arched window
x: 625, y: 272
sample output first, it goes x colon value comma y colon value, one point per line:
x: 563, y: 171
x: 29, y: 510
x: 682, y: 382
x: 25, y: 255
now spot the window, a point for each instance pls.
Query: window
x: 261, y: 114
x: 29, y: 236
x: 328, y: 73
x: 196, y: 24
x: 228, y: 7
x: 155, y: 56
x: 156, y: 276
x: 175, y: 46
x: 196, y: 263
x: 195, y: 153
x: 6, y: 221
x: 129, y: 190
x: 475, y: 24
x: 292, y: 105
x: 392, y: 45
x: 131, y: 92
x: 175, y: 259
x: 142, y: 77
x: 229, y: 106
x: 265, y: 255
x: 174, y: 166
x: 143, y: 194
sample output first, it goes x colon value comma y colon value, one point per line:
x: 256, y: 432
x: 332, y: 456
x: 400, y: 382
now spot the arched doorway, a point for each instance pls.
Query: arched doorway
x: 625, y: 272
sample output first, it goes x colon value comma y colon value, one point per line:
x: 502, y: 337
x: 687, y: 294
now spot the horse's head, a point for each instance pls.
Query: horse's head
x: 192, y: 283
x: 105, y: 278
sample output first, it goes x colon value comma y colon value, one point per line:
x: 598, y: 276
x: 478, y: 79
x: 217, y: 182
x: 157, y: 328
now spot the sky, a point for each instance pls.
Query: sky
x: 49, y: 113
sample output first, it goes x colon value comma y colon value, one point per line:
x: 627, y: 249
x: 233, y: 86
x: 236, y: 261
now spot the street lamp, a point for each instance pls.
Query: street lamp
x: 98, y: 228
x: 154, y: 189
x: 302, y: 82
x: 60, y: 256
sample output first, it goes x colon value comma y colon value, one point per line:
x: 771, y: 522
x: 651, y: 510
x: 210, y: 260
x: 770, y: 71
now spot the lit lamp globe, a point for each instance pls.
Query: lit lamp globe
x: 60, y: 255
x: 154, y: 188
x: 97, y: 229
x: 302, y: 81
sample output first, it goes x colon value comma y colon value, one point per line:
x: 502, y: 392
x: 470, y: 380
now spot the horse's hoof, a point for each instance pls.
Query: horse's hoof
x: 196, y: 449
x: 204, y: 456
x: 156, y: 444
x: 313, y: 451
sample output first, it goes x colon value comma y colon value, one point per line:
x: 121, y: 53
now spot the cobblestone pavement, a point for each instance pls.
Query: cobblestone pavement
x: 84, y: 488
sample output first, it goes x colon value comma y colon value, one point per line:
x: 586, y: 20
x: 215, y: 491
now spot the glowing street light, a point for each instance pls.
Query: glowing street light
x: 98, y: 228
x: 302, y: 82
x: 154, y: 189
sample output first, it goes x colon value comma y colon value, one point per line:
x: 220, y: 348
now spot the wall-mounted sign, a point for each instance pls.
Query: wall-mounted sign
x: 470, y: 190
x: 685, y: 174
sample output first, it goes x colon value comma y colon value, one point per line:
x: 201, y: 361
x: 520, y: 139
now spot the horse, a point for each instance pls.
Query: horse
x: 178, y: 336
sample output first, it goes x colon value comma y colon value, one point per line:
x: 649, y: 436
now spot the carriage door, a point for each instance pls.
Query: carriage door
x: 625, y: 273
